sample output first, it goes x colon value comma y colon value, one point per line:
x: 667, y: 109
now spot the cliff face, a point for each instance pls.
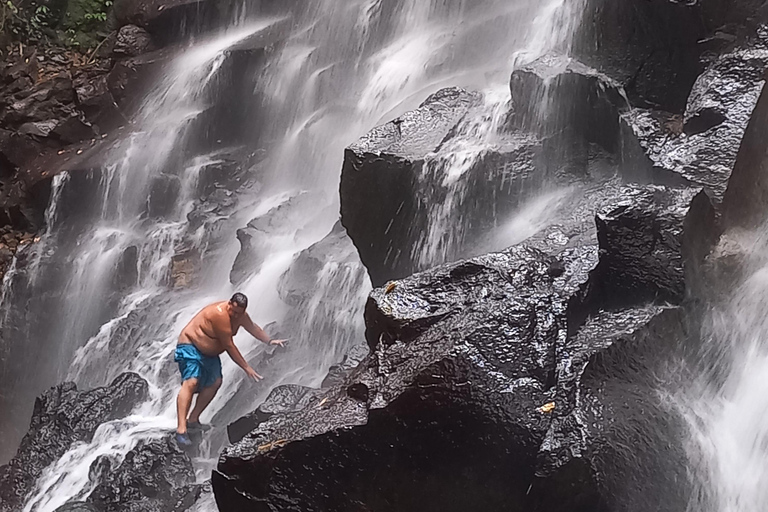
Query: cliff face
x: 528, y: 379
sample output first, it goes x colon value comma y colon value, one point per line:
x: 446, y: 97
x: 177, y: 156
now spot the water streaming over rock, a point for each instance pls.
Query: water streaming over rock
x: 114, y: 293
x: 727, y: 407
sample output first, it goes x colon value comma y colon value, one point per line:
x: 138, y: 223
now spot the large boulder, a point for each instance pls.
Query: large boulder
x: 155, y: 476
x: 649, y: 238
x: 610, y: 420
x: 435, y: 398
x: 64, y: 416
x: 282, y: 399
x: 404, y: 183
x: 561, y: 98
x: 467, y: 399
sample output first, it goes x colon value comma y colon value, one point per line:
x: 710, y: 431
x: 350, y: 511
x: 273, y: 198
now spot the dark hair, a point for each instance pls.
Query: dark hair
x: 239, y: 299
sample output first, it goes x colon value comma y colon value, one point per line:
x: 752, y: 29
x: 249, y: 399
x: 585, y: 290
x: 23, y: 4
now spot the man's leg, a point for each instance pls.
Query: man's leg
x: 183, y: 402
x: 203, y: 399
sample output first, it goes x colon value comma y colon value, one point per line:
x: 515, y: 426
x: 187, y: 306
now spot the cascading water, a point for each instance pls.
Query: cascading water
x: 344, y: 67
x: 726, y: 407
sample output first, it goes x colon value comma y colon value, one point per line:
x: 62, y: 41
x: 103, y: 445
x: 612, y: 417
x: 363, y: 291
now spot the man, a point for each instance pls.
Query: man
x: 206, y: 336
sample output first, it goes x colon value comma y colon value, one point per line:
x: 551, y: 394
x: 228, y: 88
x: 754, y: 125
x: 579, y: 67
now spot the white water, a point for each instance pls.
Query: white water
x: 345, y: 67
x: 728, y: 409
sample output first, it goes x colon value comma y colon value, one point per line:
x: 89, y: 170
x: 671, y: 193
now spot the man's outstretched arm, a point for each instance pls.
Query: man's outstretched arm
x: 258, y: 333
x: 239, y: 360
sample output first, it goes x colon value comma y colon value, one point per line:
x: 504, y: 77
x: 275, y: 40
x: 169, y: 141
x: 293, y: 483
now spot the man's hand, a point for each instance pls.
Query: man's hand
x: 278, y: 342
x: 252, y: 374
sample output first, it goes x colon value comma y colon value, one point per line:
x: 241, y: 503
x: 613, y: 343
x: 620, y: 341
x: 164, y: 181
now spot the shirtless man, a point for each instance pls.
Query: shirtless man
x: 206, y: 336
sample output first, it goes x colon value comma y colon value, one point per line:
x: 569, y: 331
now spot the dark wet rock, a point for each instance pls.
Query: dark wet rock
x: 651, y: 48
x: 79, y: 506
x: 130, y: 78
x: 352, y: 359
x: 747, y: 192
x: 701, y: 146
x: 644, y: 246
x: 476, y: 395
x: 395, y: 177
x: 607, y: 400
x: 63, y: 416
x: 132, y: 41
x: 155, y: 476
x: 283, y: 399
x: 452, y: 353
x: 559, y: 96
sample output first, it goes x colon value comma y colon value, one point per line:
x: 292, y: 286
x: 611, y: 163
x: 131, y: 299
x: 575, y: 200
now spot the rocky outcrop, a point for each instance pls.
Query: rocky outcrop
x: 63, y: 416
x: 156, y: 475
x: 394, y: 177
x: 700, y: 146
x: 283, y: 399
x: 477, y: 371
x: 566, y: 101
x: 517, y: 380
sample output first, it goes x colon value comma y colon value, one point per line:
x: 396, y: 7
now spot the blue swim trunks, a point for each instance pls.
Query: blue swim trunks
x: 193, y: 364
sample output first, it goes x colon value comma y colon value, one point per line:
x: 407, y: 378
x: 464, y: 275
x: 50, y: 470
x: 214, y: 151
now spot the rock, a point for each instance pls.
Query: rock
x: 39, y: 128
x: 351, y: 360
x: 446, y: 345
x: 701, y: 147
x: 559, y: 96
x: 607, y: 399
x: 132, y: 41
x: 184, y: 267
x: 644, y: 246
x: 651, y: 48
x: 159, y: 16
x: 63, y: 416
x: 257, y: 237
x: 79, y: 506
x: 301, y: 281
x: 156, y: 475
x: 283, y: 399
x: 481, y: 390
x: 73, y: 129
x: 396, y: 177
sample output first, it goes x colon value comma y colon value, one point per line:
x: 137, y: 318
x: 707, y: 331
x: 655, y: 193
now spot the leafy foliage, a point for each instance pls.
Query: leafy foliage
x: 74, y: 23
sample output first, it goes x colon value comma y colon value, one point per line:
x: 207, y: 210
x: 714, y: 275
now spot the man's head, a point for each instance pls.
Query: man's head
x: 237, y: 305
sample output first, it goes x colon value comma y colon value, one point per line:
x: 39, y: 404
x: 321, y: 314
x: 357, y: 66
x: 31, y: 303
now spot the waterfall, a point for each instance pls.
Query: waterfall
x: 106, y: 293
x: 727, y: 407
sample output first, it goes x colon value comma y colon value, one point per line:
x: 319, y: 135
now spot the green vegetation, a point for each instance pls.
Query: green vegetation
x: 72, y: 23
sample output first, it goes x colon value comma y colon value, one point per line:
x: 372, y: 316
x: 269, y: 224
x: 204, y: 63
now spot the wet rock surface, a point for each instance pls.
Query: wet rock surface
x: 452, y: 399
x: 528, y: 379
x: 155, y: 476
x: 63, y: 416
x: 282, y: 399
x: 701, y: 145
x: 394, y: 175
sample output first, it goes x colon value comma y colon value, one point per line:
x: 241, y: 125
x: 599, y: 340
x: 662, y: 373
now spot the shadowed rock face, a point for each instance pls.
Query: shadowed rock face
x: 63, y: 416
x: 651, y: 48
x: 154, y: 476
